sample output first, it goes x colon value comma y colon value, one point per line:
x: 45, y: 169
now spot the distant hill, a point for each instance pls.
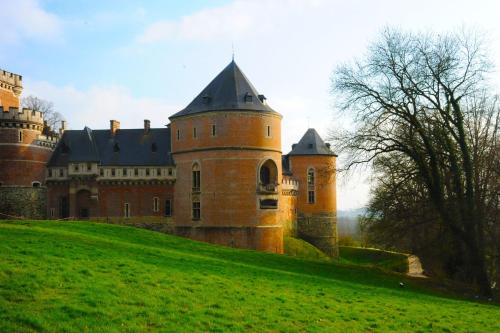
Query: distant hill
x: 89, y: 277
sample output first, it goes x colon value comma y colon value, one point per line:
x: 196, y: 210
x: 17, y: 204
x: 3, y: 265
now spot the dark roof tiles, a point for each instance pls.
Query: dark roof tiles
x: 230, y: 90
x: 128, y: 147
x: 311, y: 144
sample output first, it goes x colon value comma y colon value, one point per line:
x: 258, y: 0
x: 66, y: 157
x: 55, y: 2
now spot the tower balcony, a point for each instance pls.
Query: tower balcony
x: 271, y: 188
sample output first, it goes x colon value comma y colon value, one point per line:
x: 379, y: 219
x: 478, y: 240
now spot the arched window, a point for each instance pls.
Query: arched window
x: 268, y: 173
x: 36, y: 184
x: 196, y: 178
x: 311, y: 195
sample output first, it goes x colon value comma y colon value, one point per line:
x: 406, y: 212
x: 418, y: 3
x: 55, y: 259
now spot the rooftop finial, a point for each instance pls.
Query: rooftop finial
x: 232, y: 47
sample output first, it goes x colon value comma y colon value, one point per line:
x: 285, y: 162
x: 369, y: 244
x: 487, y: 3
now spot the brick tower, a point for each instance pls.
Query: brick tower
x: 313, y: 164
x: 227, y: 148
x: 23, y: 154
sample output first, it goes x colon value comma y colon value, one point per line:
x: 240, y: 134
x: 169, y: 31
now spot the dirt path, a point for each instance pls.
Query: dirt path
x: 415, y: 267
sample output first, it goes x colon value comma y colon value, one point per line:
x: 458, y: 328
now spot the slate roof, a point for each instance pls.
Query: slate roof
x: 311, y: 144
x: 230, y: 90
x: 128, y: 147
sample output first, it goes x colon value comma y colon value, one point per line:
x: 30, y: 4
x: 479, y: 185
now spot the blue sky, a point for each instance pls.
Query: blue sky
x: 131, y: 60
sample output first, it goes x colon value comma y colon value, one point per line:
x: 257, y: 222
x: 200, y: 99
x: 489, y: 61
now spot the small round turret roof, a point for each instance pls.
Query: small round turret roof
x: 229, y: 90
x: 311, y: 144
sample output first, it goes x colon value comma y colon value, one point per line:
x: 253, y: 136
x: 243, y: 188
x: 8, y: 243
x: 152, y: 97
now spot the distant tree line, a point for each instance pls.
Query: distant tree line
x: 428, y: 123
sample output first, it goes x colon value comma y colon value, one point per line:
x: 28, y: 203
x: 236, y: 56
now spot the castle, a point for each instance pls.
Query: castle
x: 216, y: 173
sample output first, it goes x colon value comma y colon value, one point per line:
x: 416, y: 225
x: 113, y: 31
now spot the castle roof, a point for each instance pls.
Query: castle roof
x: 230, y: 90
x: 127, y: 147
x: 311, y: 144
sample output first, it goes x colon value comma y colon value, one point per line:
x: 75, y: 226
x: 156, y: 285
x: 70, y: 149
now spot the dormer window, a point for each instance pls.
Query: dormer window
x: 248, y: 98
x: 116, y: 147
x: 310, y: 146
x: 206, y: 99
x: 154, y: 147
x: 262, y: 98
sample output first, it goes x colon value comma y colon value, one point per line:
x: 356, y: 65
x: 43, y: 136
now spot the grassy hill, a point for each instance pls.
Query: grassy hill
x: 76, y: 276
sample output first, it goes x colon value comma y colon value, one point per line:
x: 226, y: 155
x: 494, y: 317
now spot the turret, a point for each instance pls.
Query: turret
x: 226, y: 145
x: 312, y: 163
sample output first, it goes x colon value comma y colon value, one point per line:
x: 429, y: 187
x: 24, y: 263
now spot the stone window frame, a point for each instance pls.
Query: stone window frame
x: 195, y: 133
x: 168, y: 212
x: 214, y: 130
x: 156, y: 204
x: 124, y: 172
x: 311, y: 185
x: 126, y: 210
x: 196, y: 177
x: 36, y: 183
x: 196, y: 210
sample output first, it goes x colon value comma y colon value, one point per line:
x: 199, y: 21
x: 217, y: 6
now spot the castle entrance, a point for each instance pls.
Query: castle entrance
x: 83, y: 204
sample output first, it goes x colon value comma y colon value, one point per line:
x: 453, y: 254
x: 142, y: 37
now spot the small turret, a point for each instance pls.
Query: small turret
x: 313, y: 164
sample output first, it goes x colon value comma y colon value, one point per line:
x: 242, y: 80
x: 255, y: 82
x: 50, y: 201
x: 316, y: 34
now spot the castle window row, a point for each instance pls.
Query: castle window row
x: 89, y: 168
x: 127, y: 208
x: 213, y: 132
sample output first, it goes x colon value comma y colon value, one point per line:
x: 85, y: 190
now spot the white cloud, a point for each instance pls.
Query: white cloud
x: 97, y: 105
x: 233, y: 20
x: 25, y: 19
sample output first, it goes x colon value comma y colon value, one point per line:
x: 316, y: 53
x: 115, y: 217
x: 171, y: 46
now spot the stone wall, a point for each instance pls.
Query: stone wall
x: 320, y: 230
x: 23, y: 202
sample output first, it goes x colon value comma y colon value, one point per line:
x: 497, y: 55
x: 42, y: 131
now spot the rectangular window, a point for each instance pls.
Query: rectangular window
x: 126, y: 210
x: 196, y: 210
x: 50, y: 172
x: 268, y: 131
x: 101, y: 172
x: 61, y: 172
x: 75, y: 167
x: 196, y: 181
x: 52, y: 212
x: 170, y: 172
x: 158, y: 172
x: 168, y: 207
x: 156, y: 204
x: 147, y: 172
x: 310, y: 197
x: 136, y: 172
x: 194, y: 132
x: 20, y: 136
x: 178, y: 135
x: 214, y: 130
x: 89, y: 166
x: 113, y: 172
x: 124, y: 172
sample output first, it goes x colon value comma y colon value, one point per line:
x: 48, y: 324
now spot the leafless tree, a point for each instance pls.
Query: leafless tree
x: 416, y: 98
x: 50, y: 115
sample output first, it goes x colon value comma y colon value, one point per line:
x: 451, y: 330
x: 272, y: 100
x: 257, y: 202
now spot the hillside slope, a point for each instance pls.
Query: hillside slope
x: 77, y: 276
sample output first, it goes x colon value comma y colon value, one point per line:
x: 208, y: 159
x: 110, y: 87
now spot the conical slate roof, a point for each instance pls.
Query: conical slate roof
x: 230, y: 90
x: 311, y: 144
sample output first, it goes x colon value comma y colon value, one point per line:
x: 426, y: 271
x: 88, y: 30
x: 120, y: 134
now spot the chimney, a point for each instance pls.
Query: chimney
x: 147, y: 126
x: 63, y: 127
x: 114, y: 125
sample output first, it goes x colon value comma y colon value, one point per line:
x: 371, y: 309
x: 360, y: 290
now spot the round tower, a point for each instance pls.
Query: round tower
x: 23, y: 155
x: 312, y: 163
x: 227, y: 149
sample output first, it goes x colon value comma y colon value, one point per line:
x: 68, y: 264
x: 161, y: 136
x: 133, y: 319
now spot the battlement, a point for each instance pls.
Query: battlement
x: 11, y: 81
x: 25, y: 115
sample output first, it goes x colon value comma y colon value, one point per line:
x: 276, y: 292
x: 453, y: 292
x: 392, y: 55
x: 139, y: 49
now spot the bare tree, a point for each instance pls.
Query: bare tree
x: 50, y: 115
x: 412, y: 99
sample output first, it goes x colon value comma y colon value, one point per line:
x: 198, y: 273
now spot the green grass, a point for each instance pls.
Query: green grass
x: 392, y: 261
x: 76, y: 276
x: 301, y: 249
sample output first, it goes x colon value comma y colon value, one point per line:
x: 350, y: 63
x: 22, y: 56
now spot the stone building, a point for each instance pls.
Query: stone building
x: 25, y: 147
x: 216, y: 173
